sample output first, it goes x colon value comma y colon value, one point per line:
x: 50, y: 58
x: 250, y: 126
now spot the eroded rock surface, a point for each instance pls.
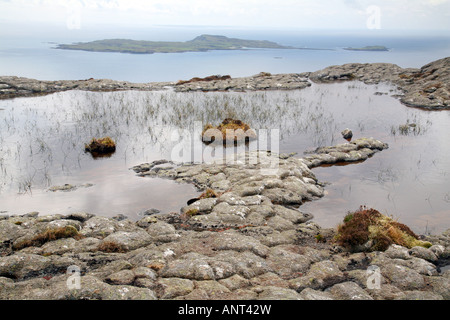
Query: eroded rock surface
x: 427, y: 87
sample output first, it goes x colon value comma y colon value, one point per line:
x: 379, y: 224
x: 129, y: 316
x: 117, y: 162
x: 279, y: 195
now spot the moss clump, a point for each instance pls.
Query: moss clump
x: 49, y: 235
x: 373, y: 231
x: 111, y: 247
x: 228, y: 130
x: 209, y: 193
x: 104, y: 145
x: 320, y: 238
x: 192, y: 212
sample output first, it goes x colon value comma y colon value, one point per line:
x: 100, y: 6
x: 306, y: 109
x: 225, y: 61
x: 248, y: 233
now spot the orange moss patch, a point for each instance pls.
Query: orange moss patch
x: 209, y: 193
x: 368, y: 226
x: 111, y: 247
x: 228, y: 130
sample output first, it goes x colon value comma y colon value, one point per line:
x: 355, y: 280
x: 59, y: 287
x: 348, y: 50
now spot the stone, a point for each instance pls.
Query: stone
x: 421, y: 295
x: 235, y: 282
x: 403, y: 277
x: 287, y: 264
x: 321, y: 275
x: 129, y: 240
x: 441, y: 286
x: 277, y: 293
x: 311, y: 294
x: 348, y: 291
x: 347, y: 134
x: 162, y: 232
x: 397, y: 252
x: 123, y: 277
x: 423, y: 253
x: 169, y: 288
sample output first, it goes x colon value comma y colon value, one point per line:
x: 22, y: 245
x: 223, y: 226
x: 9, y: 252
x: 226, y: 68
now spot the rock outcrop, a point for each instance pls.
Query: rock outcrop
x: 427, y: 87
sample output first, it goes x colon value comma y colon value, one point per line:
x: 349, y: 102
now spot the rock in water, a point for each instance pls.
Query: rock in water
x: 347, y: 134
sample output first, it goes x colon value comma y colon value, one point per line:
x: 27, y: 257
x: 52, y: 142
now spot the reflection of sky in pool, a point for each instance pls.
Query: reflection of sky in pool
x: 42, y: 144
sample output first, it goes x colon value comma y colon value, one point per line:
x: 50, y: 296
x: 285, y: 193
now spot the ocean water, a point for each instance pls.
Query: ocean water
x: 34, y: 56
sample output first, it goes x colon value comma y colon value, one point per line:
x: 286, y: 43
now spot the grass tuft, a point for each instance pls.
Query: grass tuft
x: 103, y: 145
x: 228, y: 130
x: 368, y: 226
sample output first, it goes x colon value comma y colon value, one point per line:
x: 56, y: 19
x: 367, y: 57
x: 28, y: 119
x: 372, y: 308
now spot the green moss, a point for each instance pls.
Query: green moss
x: 192, y: 212
x: 348, y: 217
x: 49, y: 235
x: 320, y: 238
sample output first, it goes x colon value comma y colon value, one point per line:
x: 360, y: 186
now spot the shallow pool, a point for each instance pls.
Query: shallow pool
x: 42, y: 144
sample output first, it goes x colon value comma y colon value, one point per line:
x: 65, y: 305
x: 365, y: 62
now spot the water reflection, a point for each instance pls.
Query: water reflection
x: 42, y: 144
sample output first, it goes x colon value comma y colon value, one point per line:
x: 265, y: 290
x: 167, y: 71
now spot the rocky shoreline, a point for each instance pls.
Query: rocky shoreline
x: 427, y: 87
x: 249, y: 241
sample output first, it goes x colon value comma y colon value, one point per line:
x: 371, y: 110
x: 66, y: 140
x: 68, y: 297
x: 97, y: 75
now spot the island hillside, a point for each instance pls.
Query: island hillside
x: 369, y: 48
x: 201, y: 43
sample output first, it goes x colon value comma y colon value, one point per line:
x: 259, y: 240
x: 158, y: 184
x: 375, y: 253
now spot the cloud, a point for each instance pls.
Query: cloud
x: 322, y: 14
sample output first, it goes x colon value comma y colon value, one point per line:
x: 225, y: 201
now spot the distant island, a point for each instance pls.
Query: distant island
x: 201, y: 43
x: 369, y: 48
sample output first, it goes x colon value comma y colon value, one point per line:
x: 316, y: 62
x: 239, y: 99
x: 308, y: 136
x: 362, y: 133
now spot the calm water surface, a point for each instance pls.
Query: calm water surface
x: 42, y: 144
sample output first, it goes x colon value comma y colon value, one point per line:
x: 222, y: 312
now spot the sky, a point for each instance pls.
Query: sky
x: 292, y: 14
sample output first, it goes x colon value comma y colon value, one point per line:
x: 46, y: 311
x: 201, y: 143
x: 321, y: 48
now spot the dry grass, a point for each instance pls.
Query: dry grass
x: 103, y: 145
x: 228, y: 130
x: 111, y: 247
x: 370, y: 225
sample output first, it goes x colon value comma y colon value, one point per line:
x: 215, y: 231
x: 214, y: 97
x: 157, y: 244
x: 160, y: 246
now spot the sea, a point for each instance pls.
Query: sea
x: 32, y: 54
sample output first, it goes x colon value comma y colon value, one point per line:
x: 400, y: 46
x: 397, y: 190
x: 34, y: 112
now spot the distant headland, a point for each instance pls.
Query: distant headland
x: 199, y: 44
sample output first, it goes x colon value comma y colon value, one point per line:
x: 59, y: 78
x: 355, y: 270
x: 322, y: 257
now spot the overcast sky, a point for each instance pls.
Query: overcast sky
x: 302, y: 14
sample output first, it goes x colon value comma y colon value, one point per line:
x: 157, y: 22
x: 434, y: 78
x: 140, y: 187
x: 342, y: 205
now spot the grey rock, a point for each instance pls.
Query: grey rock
x: 397, y: 252
x: 169, y: 288
x: 311, y: 294
x: 441, y: 286
x: 421, y: 295
x: 123, y: 277
x: 276, y: 293
x: 162, y: 232
x: 287, y: 264
x: 347, y: 134
x: 321, y: 275
x: 129, y: 240
x: 349, y: 291
x: 423, y: 253
x: 208, y: 290
x: 403, y: 277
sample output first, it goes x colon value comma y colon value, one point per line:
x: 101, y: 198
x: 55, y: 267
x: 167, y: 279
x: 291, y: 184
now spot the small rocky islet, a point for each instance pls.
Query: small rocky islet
x: 246, y: 238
